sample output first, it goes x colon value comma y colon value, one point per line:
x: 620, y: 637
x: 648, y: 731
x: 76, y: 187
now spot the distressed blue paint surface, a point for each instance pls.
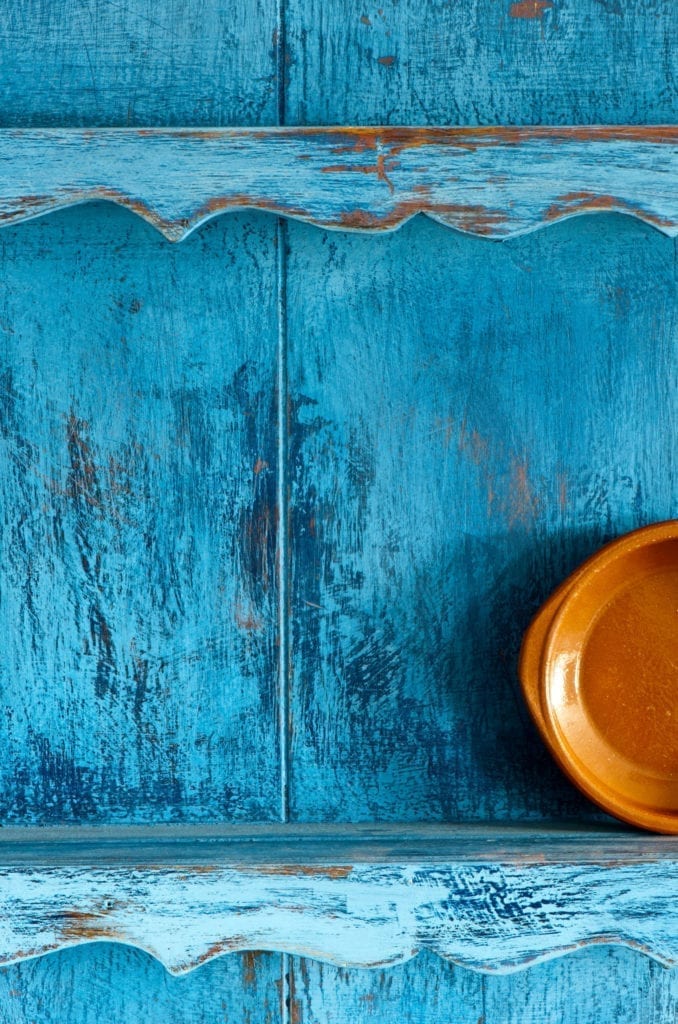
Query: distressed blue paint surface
x: 137, y: 482
x: 485, y: 62
x: 604, y: 986
x: 480, y: 181
x: 212, y: 63
x: 136, y: 62
x: 488, y: 898
x: 208, y: 63
x: 468, y: 422
x: 422, y: 991
x: 461, y: 432
x: 111, y: 984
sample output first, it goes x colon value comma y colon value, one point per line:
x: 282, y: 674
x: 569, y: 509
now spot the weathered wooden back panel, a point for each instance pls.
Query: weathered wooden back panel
x: 138, y: 493
x: 467, y: 420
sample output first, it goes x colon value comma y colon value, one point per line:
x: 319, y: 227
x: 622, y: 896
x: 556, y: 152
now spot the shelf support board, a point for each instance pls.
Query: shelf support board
x: 491, y: 898
x: 491, y: 182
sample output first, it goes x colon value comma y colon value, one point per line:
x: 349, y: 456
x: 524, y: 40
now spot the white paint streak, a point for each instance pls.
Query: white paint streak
x: 487, y: 917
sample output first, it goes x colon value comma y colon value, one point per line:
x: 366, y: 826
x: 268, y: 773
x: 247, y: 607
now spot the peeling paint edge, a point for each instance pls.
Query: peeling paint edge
x: 357, y: 222
x: 492, y: 966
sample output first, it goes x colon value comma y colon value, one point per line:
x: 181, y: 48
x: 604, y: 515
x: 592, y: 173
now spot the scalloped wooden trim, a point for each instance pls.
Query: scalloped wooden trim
x: 494, y: 182
x: 491, y: 899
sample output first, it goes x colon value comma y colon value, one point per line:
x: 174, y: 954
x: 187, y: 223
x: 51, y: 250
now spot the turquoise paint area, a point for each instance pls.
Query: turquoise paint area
x: 465, y: 426
x: 206, y: 63
x: 108, y: 984
x: 470, y: 420
x: 136, y: 62
x: 482, y: 62
x: 138, y: 595
x: 478, y: 181
x: 595, y: 986
x: 602, y: 986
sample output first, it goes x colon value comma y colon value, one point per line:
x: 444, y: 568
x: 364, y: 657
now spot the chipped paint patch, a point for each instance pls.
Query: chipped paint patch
x: 529, y: 9
x: 307, y: 870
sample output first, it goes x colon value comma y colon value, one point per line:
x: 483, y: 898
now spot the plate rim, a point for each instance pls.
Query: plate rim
x: 534, y: 667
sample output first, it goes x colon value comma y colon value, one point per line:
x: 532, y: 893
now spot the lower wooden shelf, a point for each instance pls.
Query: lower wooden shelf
x: 490, y: 897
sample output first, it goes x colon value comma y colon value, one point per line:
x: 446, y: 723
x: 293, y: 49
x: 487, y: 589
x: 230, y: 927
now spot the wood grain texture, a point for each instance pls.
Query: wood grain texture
x: 468, y: 422
x: 480, y: 181
x: 593, y: 986
x: 105, y: 983
x: 135, y: 62
x: 519, y: 903
x: 485, y: 62
x: 427, y: 990
x: 94, y: 63
x: 138, y: 595
x: 208, y: 63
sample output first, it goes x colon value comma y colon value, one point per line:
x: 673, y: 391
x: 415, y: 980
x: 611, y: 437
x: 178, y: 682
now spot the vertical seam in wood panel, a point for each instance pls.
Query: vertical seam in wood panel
x: 283, y: 473
x: 285, y: 988
x: 283, y: 507
x: 283, y: 511
x: 283, y: 526
x: 281, y: 59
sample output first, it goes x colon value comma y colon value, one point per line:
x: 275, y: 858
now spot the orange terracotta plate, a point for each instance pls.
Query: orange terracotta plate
x: 608, y: 677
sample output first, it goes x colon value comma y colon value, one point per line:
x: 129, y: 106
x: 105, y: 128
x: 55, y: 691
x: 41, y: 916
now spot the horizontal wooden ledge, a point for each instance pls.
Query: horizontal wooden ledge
x: 326, y: 844
x: 492, y: 182
x: 491, y: 898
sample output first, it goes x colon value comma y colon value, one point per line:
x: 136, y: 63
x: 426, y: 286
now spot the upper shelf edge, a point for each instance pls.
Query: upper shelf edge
x: 492, y: 182
x: 316, y: 844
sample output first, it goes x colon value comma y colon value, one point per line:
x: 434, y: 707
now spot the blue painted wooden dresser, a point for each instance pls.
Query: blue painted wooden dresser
x: 280, y: 498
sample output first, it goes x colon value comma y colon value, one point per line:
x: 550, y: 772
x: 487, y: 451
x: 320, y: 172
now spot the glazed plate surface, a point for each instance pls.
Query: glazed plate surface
x: 600, y: 673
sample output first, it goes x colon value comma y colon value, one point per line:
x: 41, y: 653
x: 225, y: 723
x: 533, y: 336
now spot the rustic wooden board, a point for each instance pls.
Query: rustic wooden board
x: 421, y: 991
x: 131, y: 62
x: 481, y: 181
x: 468, y: 422
x: 138, y: 599
x: 136, y: 62
x: 593, y: 986
x: 106, y: 983
x: 521, y: 897
x: 484, y: 481
x: 497, y: 62
x: 318, y: 844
